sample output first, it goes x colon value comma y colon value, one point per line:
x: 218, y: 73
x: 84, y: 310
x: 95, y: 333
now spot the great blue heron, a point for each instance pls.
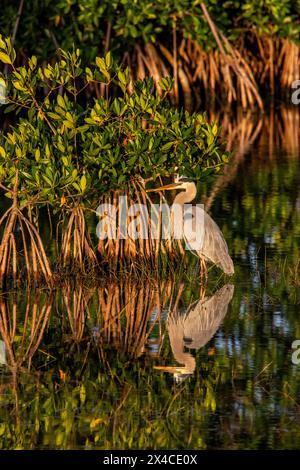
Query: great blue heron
x: 194, y: 328
x: 213, y: 247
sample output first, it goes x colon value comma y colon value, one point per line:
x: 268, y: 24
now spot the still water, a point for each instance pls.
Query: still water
x: 168, y: 363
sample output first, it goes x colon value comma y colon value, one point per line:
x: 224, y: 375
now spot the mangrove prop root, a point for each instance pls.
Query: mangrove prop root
x: 22, y: 347
x: 148, y: 244
x: 10, y: 251
x: 76, y: 248
x: 231, y: 72
x: 76, y: 304
x: 126, y: 316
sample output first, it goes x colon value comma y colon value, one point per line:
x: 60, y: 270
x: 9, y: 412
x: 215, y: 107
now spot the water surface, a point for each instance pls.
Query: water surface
x: 168, y: 363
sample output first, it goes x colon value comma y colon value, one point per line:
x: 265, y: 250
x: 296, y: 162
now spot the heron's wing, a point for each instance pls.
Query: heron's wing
x: 208, y: 241
x: 195, y: 327
x: 214, y: 247
x: 203, y: 318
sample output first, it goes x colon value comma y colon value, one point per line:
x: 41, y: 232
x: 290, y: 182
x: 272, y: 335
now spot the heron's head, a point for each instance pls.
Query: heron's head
x: 180, y: 182
x: 179, y: 373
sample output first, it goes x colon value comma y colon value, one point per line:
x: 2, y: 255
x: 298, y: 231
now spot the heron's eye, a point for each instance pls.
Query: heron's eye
x: 187, y: 340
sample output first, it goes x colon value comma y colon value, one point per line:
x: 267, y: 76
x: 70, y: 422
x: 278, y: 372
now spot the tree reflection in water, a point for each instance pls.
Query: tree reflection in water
x: 78, y: 368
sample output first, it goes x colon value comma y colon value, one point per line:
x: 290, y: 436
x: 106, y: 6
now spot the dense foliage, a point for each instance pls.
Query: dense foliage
x: 61, y: 147
x: 235, y: 51
x: 46, y: 25
x: 65, y: 153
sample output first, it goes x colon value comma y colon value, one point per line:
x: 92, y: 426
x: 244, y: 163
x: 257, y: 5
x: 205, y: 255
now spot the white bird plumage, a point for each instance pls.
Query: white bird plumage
x: 193, y: 329
x: 214, y: 247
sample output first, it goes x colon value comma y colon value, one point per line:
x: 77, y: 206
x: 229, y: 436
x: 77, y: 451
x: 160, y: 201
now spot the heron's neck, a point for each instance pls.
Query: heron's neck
x: 188, y: 362
x: 183, y: 357
x: 186, y: 196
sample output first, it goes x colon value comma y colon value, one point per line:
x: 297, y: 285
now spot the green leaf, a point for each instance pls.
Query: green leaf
x: 68, y: 124
x: 102, y: 66
x: 108, y: 59
x: 122, y: 78
x: 18, y: 86
x: 61, y: 101
x: 83, y: 183
x: 54, y: 116
x: 82, y: 394
x: 215, y: 129
x: 2, y: 429
x: 5, y: 58
x: 167, y: 146
x: 47, y: 150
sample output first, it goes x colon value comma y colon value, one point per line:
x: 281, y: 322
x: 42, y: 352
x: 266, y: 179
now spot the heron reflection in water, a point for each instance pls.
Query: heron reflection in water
x: 194, y: 328
x: 214, y: 247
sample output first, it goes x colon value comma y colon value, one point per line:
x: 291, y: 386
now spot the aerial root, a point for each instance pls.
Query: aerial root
x: 36, y: 264
x: 22, y: 341
x: 76, y: 303
x: 230, y: 70
x: 76, y: 248
x: 143, y: 238
x: 125, y: 317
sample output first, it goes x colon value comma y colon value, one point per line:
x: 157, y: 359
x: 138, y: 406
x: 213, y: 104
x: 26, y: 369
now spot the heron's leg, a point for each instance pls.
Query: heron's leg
x: 203, y: 270
x: 202, y: 292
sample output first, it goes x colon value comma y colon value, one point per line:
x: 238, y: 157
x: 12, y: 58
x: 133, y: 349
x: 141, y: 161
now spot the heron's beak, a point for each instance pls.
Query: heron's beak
x: 164, y: 188
x: 172, y: 370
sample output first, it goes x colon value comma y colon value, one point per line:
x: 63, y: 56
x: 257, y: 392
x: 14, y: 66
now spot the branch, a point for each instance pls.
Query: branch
x: 17, y: 21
